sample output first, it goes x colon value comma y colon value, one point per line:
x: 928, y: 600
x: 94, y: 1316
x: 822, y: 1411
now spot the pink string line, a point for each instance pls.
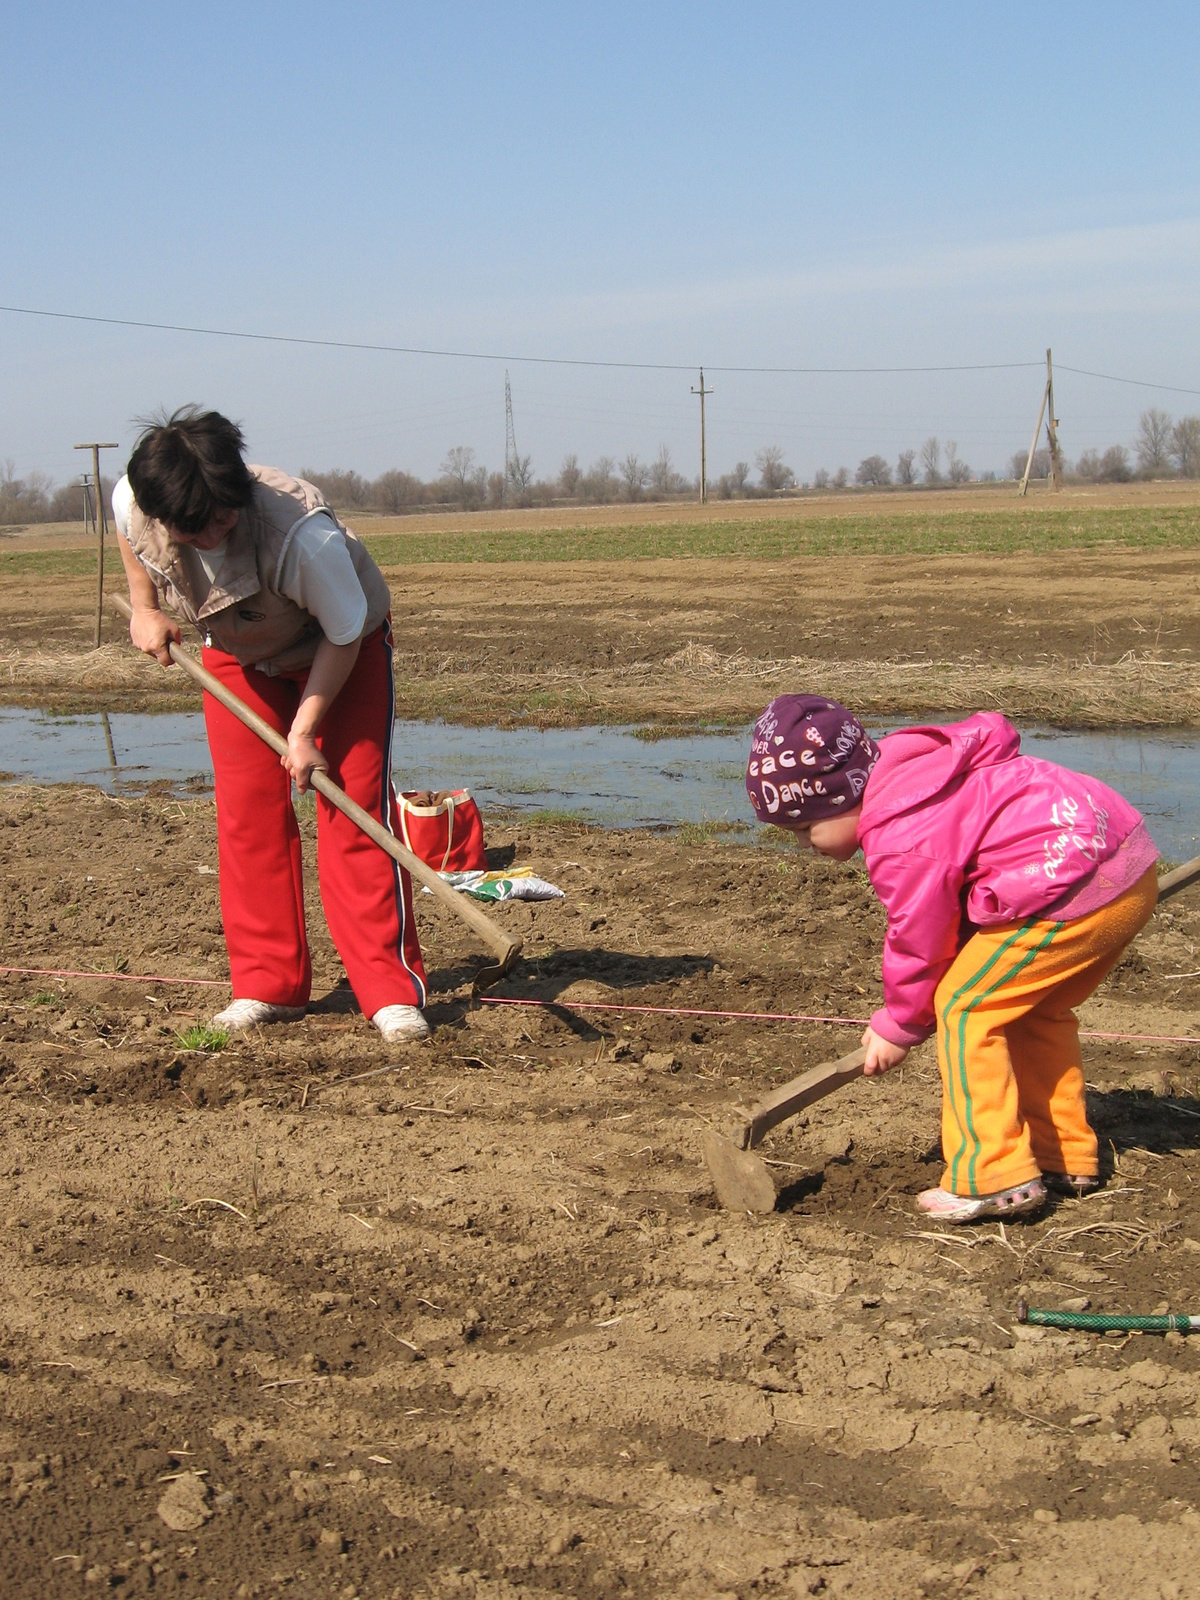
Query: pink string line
x: 577, y: 1005
x: 783, y: 1016
x: 116, y: 977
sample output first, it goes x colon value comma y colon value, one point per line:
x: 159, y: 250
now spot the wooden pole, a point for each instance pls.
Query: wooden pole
x: 101, y: 521
x: 503, y: 945
x: 1052, y: 427
x: 702, y: 391
x: 1033, y: 445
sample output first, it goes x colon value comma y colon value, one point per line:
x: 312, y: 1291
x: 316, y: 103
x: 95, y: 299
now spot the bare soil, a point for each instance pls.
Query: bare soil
x: 475, y: 1326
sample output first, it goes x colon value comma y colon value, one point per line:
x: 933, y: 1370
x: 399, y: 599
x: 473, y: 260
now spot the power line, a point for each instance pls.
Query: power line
x: 482, y: 355
x: 1138, y: 383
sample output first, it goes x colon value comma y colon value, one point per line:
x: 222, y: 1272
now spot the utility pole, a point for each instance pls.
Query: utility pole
x: 1051, y: 432
x: 101, y: 521
x: 511, y: 458
x: 702, y: 391
x: 1052, y: 427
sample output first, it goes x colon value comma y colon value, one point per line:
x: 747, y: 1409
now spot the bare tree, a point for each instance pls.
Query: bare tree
x: 458, y: 466
x: 904, y: 468
x: 662, y: 472
x: 519, y: 474
x: 737, y: 478
x: 1088, y: 465
x: 569, y: 475
x: 67, y: 502
x: 820, y: 478
x: 340, y: 487
x: 931, y: 459
x: 957, y: 471
x: 873, y: 472
x: 1185, y: 446
x: 840, y: 478
x: 1153, y: 442
x: 23, y: 499
x: 396, y: 491
x: 599, y: 482
x: 774, y: 472
x: 1040, y: 467
x: 497, y: 485
x: 635, y: 475
x: 1114, y: 465
x: 466, y: 482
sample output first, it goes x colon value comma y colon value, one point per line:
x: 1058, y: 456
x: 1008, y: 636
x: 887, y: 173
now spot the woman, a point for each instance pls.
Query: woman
x: 296, y: 621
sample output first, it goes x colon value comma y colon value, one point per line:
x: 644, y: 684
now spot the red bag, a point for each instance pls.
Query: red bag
x: 444, y: 829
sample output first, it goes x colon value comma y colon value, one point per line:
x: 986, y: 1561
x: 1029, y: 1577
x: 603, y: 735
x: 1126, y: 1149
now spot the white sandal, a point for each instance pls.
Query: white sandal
x: 1019, y: 1201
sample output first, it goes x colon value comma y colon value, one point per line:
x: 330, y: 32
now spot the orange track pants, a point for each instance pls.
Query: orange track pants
x: 1013, y: 1096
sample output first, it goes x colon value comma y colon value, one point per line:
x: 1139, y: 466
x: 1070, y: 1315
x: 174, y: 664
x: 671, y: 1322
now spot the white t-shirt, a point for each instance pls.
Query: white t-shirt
x: 318, y: 574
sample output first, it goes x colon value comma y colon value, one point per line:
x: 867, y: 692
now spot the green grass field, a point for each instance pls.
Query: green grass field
x: 1033, y: 527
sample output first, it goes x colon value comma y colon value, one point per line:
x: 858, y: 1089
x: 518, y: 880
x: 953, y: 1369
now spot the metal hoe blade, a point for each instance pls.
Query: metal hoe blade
x: 741, y: 1179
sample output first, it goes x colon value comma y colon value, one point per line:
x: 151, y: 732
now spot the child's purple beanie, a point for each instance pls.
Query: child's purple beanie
x: 809, y: 759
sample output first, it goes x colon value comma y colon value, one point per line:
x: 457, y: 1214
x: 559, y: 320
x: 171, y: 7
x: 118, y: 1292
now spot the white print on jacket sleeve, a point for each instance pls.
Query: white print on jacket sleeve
x: 1065, y: 815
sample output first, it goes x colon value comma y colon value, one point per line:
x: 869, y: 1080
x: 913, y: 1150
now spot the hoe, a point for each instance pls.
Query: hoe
x: 503, y: 946
x: 742, y: 1179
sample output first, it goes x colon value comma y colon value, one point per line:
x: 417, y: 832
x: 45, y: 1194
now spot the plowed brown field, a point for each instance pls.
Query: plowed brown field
x: 475, y: 1326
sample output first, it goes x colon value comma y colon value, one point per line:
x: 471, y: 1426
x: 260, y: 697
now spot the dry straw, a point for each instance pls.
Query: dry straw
x: 1139, y: 689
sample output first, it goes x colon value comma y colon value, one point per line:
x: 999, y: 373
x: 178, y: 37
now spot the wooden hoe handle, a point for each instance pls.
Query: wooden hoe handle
x: 1171, y: 882
x: 503, y: 945
x: 791, y: 1097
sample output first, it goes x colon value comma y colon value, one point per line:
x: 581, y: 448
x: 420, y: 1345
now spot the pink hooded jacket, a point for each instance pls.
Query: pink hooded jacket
x: 960, y: 830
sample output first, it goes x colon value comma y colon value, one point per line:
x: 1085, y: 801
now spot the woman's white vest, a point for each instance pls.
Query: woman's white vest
x: 243, y: 613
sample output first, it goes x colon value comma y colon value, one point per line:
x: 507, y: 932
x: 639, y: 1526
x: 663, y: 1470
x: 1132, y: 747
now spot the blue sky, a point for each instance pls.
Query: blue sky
x: 734, y: 184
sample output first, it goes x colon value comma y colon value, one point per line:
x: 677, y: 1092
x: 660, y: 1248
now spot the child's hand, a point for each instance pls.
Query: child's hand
x: 882, y: 1054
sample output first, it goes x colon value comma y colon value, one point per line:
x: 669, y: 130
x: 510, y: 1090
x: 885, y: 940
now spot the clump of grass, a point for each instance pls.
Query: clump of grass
x: 693, y: 833
x: 46, y: 997
x: 554, y: 817
x: 653, y: 733
x: 203, y: 1036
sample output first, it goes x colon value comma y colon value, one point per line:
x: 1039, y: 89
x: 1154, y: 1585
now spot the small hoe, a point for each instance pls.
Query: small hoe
x: 742, y: 1179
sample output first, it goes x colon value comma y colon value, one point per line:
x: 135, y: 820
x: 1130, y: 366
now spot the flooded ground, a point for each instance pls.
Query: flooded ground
x: 614, y: 777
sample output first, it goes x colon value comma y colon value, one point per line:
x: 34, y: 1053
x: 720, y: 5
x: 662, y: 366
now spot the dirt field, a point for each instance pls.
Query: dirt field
x: 1080, y: 609
x: 476, y: 1328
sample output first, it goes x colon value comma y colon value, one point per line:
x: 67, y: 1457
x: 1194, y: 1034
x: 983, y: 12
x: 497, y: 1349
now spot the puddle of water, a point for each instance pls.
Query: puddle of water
x: 605, y: 775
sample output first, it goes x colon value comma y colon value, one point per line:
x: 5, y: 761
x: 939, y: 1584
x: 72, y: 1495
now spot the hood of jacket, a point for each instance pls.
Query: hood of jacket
x: 917, y: 763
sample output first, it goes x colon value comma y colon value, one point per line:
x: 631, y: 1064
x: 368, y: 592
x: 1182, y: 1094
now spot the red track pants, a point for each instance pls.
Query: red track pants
x: 366, y: 895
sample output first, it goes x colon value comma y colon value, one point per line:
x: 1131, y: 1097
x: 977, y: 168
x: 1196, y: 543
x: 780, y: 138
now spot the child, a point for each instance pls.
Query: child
x: 1011, y: 886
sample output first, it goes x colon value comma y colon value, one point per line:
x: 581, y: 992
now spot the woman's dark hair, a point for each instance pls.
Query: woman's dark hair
x: 186, y: 469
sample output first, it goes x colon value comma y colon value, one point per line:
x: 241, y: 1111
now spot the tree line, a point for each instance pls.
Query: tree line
x: 36, y: 499
x: 1162, y: 447
x: 464, y: 481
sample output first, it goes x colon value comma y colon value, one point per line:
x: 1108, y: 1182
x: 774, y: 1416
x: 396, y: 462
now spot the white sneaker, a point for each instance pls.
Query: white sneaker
x: 251, y: 1013
x: 401, y: 1024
